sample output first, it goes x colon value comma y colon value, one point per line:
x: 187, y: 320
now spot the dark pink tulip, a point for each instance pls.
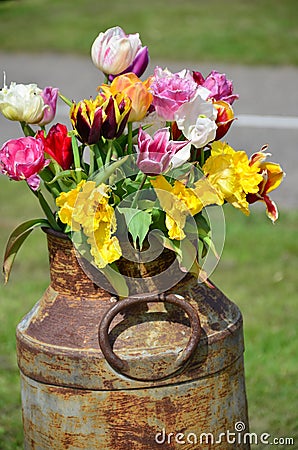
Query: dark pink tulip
x: 23, y: 159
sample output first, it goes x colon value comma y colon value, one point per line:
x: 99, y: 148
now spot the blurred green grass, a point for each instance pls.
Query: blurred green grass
x: 258, y: 271
x: 233, y: 31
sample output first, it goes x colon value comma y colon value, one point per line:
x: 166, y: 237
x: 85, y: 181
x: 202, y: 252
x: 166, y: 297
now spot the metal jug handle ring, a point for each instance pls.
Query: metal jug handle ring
x: 121, y: 365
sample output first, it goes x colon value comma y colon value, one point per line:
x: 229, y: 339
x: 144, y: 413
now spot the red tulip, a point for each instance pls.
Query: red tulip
x: 57, y: 144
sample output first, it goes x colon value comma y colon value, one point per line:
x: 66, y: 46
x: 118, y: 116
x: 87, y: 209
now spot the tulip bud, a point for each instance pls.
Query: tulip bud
x: 86, y: 119
x: 114, y: 51
x: 49, y: 96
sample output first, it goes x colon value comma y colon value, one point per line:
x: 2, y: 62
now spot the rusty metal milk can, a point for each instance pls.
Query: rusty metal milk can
x: 160, y: 372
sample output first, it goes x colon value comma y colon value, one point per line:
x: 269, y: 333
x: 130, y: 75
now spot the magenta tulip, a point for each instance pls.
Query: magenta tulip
x: 23, y: 159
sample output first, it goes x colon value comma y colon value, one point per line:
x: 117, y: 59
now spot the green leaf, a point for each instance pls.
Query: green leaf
x: 138, y: 223
x: 16, y: 240
x: 108, y: 170
x: 62, y: 174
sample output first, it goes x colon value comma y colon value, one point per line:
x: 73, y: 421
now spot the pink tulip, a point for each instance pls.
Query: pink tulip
x: 155, y: 154
x: 220, y: 87
x: 170, y: 91
x: 23, y: 159
x: 49, y: 96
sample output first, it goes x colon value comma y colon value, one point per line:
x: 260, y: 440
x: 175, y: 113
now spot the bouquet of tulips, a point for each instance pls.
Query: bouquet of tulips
x: 142, y: 156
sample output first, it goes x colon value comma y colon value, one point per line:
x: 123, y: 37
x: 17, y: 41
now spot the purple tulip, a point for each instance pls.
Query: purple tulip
x: 49, y: 96
x: 217, y: 83
x: 155, y: 154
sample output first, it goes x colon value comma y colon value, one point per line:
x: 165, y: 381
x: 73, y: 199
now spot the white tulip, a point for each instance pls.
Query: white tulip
x: 196, y: 119
x: 22, y: 102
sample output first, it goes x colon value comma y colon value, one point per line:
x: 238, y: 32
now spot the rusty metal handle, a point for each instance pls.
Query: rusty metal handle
x: 122, y: 366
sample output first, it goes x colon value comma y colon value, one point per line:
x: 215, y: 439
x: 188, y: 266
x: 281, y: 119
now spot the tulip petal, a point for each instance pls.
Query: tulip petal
x: 33, y: 182
x: 271, y: 208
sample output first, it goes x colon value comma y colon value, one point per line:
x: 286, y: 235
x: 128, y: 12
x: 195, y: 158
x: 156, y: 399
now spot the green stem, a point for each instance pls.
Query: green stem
x: 48, y: 212
x: 202, y: 157
x: 27, y: 130
x: 47, y: 176
x: 138, y: 191
x: 109, y: 152
x: 66, y: 100
x: 129, y: 138
x: 98, y: 156
x: 46, y: 209
x: 76, y: 158
x: 91, y: 163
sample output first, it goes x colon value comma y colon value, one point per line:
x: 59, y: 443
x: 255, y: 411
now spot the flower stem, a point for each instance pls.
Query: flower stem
x: 91, y: 163
x: 202, y: 157
x: 48, y: 212
x: 65, y: 99
x: 76, y: 158
x: 47, y: 176
x: 98, y: 157
x: 27, y: 130
x: 129, y: 138
x: 46, y: 209
x: 109, y: 152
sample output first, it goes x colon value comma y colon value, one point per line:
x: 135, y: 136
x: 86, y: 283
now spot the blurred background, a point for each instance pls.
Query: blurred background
x: 255, y: 43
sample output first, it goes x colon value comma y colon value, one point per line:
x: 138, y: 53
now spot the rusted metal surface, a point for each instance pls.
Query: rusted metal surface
x: 73, y: 398
x: 121, y: 365
x: 63, y: 418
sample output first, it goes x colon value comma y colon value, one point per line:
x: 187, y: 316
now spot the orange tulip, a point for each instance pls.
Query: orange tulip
x: 136, y: 90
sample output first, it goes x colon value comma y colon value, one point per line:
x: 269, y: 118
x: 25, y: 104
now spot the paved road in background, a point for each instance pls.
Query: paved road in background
x: 267, y: 110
